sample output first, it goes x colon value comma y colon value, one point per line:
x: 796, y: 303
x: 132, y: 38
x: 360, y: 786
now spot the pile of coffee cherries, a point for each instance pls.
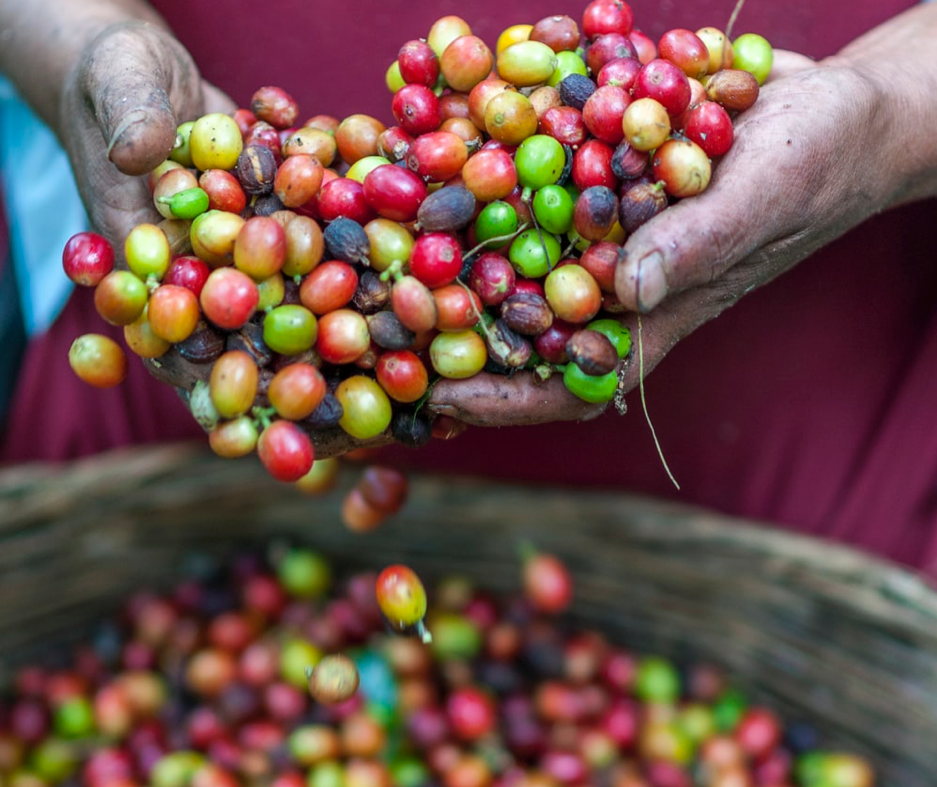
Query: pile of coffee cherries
x: 323, y: 273
x: 281, y: 671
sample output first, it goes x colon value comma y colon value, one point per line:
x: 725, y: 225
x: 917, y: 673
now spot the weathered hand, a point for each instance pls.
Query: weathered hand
x: 134, y: 84
x: 806, y: 166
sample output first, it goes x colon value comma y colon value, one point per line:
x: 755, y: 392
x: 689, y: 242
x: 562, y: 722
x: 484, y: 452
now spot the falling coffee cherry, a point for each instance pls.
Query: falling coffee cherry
x: 402, y: 599
x: 334, y: 679
x: 547, y: 582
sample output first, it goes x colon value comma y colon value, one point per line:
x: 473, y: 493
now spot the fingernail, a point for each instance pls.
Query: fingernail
x: 651, y: 285
x: 130, y: 119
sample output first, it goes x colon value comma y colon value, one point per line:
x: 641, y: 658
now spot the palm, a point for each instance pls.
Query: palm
x: 776, y: 197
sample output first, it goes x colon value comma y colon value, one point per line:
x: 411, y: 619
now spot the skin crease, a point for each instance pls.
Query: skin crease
x: 827, y: 145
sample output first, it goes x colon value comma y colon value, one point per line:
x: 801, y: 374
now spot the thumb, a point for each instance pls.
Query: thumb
x: 685, y: 245
x: 697, y: 240
x: 130, y: 79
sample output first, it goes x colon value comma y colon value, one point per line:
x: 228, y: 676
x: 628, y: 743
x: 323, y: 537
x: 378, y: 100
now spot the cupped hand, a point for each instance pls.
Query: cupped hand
x: 805, y: 167
x: 121, y: 107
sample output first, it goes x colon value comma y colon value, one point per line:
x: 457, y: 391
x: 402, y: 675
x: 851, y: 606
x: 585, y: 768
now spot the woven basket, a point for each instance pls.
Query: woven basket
x: 823, y: 633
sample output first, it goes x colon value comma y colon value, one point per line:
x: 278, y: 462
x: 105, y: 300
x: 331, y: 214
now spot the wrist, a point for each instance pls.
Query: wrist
x: 896, y: 62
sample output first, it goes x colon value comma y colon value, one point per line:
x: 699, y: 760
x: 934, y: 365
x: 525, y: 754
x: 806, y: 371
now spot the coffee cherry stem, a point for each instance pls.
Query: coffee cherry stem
x: 647, y: 416
x: 526, y: 550
x: 543, y: 372
x: 543, y: 243
x: 569, y: 248
x: 733, y: 17
x: 423, y: 633
x: 496, y: 239
x: 393, y: 271
x: 478, y: 315
x: 263, y: 416
x: 621, y: 406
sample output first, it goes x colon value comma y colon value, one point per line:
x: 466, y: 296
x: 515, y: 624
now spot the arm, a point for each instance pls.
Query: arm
x: 827, y: 145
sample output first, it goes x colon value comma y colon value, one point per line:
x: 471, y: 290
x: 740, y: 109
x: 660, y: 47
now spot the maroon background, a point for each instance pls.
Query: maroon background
x: 809, y: 404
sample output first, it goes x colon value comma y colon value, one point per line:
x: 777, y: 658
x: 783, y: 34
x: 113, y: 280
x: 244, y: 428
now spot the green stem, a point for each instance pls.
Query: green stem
x: 478, y: 314
x: 394, y: 271
x: 496, y: 239
x: 424, y: 633
x: 263, y: 416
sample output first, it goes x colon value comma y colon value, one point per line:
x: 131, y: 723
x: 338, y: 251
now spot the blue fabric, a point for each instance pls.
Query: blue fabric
x: 42, y: 205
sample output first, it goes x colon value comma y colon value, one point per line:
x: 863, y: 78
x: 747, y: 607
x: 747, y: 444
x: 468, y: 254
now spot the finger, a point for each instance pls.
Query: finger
x: 497, y: 400
x: 127, y: 80
x: 686, y: 245
x: 756, y: 196
x: 172, y: 369
x: 337, y: 442
x: 217, y: 100
x: 787, y: 63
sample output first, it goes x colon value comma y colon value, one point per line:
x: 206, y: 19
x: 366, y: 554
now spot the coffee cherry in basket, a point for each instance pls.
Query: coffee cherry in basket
x: 334, y: 679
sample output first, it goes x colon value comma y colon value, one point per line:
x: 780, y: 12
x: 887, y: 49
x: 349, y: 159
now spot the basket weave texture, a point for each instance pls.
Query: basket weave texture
x: 823, y: 633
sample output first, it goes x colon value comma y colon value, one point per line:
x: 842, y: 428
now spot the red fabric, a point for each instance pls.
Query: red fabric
x: 332, y: 56
x: 55, y: 416
x: 808, y: 404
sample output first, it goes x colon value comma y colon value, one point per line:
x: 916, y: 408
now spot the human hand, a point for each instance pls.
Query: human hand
x: 134, y: 84
x: 805, y: 167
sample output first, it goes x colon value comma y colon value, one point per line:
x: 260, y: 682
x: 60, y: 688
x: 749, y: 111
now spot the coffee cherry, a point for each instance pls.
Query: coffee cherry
x: 120, y: 297
x: 290, y: 329
x: 458, y: 355
x: 334, y: 679
x: 87, y: 258
x: 173, y: 312
x: 709, y: 126
x: 733, y: 88
x: 215, y: 142
x: 285, y: 450
x: 752, y: 52
x: 547, y: 583
x: 510, y: 117
x: 465, y: 62
x: 98, y: 360
x: 665, y: 82
x: 366, y: 410
x: 645, y: 124
x: 526, y: 63
x: 275, y: 106
x: 401, y: 595
x: 683, y: 167
x: 234, y: 438
x: 147, y: 251
x: 233, y: 383
x: 229, y: 298
x: 296, y: 390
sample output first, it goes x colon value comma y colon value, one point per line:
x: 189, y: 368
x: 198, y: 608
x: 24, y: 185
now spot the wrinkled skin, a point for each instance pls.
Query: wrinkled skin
x: 818, y: 153
x: 135, y: 83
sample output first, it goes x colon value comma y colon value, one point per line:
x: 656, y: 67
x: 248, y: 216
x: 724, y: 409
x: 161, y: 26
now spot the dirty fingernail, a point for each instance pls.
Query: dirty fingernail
x: 130, y: 119
x: 651, y: 284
